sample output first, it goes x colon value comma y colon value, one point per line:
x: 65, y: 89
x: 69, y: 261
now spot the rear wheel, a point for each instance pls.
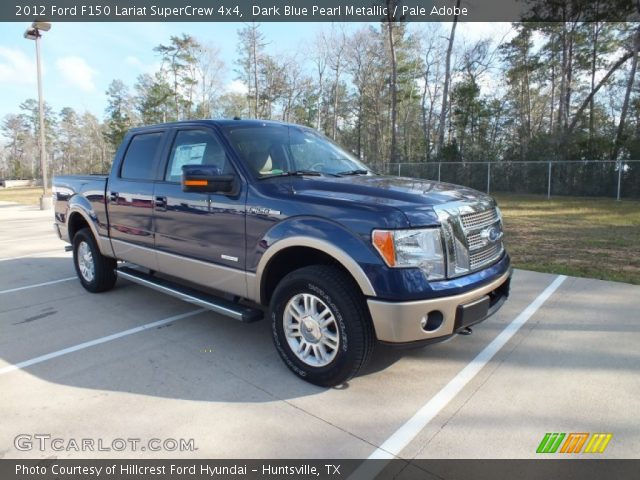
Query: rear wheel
x: 320, y: 325
x: 96, y: 272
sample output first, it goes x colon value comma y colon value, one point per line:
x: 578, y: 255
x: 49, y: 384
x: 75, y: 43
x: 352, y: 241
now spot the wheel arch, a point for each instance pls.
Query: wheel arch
x: 76, y: 222
x: 79, y: 217
x: 296, y: 252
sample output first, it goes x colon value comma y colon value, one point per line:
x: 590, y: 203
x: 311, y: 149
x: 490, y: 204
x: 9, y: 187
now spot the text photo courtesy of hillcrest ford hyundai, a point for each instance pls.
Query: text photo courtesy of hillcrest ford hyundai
x: 379, y: 239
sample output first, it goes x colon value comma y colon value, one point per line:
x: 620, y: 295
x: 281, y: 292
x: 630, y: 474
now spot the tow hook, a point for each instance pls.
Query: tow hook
x: 466, y: 331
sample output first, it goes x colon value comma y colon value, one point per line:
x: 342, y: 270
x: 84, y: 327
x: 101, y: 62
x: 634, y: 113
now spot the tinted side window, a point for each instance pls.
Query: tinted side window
x: 138, y: 163
x: 196, y: 147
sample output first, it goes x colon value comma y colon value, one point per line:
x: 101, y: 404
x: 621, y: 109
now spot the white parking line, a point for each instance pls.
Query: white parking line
x: 98, y: 341
x: 36, y: 285
x: 392, y: 447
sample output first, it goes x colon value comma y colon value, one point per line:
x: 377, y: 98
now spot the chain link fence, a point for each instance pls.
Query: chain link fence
x: 598, y: 178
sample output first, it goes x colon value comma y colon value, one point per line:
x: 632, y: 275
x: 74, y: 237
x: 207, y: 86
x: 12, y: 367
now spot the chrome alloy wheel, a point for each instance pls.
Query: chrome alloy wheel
x: 85, y: 262
x: 311, y: 330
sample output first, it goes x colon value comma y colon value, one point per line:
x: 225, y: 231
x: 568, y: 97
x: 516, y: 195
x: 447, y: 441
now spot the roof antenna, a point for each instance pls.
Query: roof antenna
x: 237, y: 118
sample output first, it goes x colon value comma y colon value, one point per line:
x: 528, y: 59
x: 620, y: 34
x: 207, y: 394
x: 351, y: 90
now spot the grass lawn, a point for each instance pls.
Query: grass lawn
x: 583, y: 237
x: 26, y: 195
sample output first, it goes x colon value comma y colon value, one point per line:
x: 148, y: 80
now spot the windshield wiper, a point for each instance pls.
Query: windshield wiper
x: 293, y: 173
x: 354, y: 172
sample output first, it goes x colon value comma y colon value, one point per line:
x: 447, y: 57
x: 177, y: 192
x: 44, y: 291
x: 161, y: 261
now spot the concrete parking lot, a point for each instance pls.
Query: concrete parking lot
x: 75, y: 365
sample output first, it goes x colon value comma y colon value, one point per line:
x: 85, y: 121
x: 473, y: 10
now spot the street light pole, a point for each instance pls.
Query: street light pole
x: 34, y: 34
x: 45, y: 202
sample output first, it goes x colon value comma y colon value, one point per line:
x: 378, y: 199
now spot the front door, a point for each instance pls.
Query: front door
x: 198, y: 236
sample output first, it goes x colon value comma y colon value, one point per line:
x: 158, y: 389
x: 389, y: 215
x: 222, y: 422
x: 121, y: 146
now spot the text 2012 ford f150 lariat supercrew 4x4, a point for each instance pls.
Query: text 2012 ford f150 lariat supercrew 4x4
x: 246, y: 216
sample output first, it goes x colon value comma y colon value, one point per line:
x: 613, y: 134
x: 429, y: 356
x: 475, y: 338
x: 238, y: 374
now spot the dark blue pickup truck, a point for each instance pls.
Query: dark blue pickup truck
x: 247, y: 216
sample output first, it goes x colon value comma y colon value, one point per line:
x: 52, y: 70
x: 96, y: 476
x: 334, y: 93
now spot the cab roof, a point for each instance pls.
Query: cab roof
x: 218, y: 122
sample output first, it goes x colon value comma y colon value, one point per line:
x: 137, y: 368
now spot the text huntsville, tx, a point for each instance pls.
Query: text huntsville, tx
x: 133, y: 11
x: 116, y: 470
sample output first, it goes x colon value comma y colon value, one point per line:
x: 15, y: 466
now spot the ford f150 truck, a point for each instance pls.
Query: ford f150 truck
x: 247, y: 216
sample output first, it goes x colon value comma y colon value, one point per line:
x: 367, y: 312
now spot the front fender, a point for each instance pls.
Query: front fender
x: 344, y: 246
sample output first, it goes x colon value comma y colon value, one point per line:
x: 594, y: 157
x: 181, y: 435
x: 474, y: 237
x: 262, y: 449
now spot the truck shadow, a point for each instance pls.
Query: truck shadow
x: 203, y: 357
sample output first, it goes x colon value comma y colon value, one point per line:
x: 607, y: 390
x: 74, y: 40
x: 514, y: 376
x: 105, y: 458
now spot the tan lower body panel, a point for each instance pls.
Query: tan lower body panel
x: 400, y: 322
x: 205, y: 274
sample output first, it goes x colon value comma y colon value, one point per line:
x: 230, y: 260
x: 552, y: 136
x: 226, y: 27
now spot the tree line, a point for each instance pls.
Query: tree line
x: 394, y: 92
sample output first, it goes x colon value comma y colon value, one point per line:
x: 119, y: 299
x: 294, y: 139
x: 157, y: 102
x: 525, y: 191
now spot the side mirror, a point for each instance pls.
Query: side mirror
x: 207, y: 179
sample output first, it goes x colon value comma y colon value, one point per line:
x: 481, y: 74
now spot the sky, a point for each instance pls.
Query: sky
x: 81, y: 59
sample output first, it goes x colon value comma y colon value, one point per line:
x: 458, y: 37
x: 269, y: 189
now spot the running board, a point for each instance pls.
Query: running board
x: 210, y: 302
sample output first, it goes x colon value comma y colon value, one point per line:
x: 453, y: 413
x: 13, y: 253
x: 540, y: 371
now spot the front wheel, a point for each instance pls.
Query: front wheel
x: 96, y: 272
x: 320, y: 325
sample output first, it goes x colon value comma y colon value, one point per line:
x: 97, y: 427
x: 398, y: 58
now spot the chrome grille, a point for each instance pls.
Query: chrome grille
x: 475, y: 241
x: 476, y: 220
x: 482, y: 252
x: 472, y: 242
x: 485, y: 256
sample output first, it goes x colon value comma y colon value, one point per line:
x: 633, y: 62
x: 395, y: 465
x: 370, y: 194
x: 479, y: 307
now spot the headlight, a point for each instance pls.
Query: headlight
x: 419, y: 248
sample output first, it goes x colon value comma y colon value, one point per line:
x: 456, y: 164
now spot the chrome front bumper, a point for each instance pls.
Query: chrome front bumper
x: 401, y: 322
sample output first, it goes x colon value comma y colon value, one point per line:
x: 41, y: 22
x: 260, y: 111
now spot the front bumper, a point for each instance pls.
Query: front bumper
x: 402, y: 322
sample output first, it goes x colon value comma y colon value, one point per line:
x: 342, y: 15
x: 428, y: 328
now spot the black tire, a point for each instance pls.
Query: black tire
x: 337, y: 292
x: 104, y: 268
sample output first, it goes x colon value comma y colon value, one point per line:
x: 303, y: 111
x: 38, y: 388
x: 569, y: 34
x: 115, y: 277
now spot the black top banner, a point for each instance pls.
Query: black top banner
x: 316, y: 10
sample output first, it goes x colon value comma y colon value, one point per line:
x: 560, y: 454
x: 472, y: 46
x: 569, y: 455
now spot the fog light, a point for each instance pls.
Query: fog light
x: 432, y: 321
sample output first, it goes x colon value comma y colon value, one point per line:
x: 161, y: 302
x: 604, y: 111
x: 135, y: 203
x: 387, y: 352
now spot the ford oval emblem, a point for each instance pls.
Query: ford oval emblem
x: 493, y: 234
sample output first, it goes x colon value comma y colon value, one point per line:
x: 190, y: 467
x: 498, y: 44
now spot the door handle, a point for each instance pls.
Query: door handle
x: 113, y: 197
x: 161, y: 203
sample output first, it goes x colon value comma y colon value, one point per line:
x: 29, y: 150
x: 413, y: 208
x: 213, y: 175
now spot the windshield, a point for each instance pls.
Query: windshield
x: 274, y: 150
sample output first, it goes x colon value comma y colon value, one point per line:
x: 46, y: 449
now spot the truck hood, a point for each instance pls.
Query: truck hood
x: 414, y: 197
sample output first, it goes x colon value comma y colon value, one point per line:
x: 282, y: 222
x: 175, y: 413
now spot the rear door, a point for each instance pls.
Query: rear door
x: 198, y: 236
x: 130, y: 197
